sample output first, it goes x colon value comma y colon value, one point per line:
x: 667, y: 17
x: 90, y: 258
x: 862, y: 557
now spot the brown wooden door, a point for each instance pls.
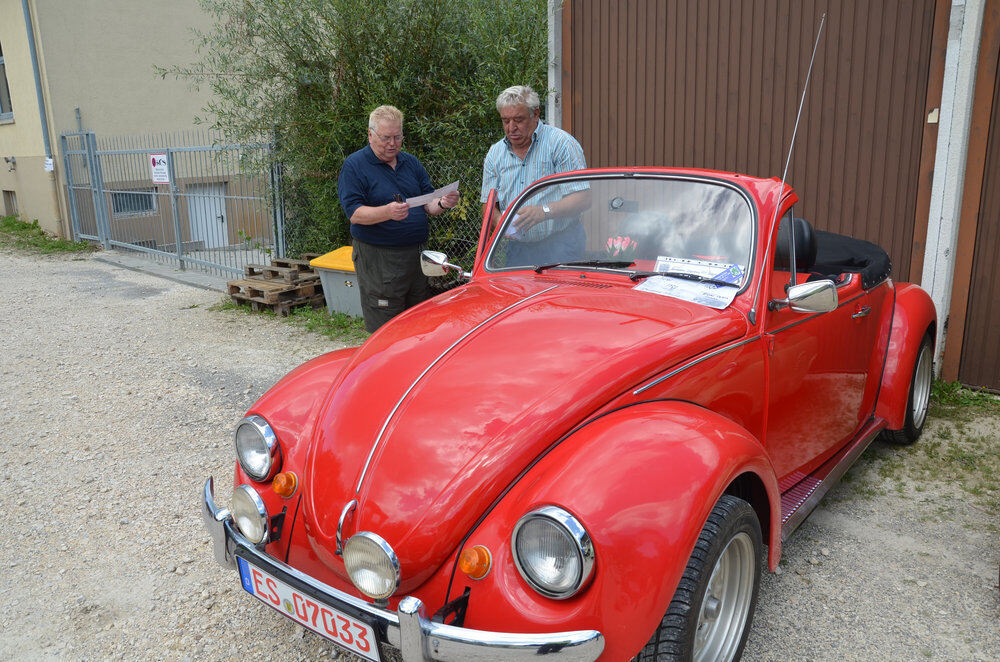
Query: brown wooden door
x: 716, y: 84
x: 980, y: 364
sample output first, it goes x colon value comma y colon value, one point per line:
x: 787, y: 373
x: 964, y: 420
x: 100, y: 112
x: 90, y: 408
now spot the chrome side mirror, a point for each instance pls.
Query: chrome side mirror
x: 818, y: 296
x: 435, y: 263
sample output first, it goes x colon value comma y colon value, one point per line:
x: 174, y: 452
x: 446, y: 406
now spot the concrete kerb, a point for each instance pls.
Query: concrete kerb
x: 192, y: 277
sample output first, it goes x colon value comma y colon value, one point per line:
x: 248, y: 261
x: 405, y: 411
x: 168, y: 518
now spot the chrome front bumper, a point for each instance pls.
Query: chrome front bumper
x: 407, y: 629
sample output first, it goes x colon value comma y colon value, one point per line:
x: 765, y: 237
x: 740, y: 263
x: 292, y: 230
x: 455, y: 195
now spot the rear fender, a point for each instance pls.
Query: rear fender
x: 642, y: 480
x: 913, y: 316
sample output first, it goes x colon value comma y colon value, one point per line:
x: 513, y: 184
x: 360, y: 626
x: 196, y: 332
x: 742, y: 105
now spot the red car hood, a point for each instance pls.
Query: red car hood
x: 441, y: 409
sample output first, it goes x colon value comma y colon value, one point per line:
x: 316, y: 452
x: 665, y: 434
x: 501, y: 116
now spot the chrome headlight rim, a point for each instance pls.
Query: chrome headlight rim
x: 271, y: 447
x: 575, y: 531
x: 261, y: 509
x: 390, y: 554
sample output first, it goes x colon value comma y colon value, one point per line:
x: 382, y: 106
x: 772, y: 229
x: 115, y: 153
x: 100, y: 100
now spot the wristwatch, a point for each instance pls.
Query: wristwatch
x: 546, y: 211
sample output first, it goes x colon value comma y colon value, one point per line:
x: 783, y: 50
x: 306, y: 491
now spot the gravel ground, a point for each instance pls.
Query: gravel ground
x: 121, y: 391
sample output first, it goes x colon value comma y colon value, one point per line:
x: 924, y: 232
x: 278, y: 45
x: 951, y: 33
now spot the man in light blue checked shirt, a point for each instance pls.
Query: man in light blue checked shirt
x: 548, y: 229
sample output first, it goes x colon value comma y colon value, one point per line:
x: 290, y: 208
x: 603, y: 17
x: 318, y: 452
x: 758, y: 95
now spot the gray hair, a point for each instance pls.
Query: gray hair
x: 389, y: 114
x: 516, y: 96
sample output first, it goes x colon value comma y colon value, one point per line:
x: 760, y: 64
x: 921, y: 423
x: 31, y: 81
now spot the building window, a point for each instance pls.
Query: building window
x: 6, y: 111
x: 133, y: 203
x: 9, y: 203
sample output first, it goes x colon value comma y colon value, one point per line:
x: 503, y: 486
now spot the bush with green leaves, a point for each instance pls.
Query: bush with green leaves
x: 306, y: 74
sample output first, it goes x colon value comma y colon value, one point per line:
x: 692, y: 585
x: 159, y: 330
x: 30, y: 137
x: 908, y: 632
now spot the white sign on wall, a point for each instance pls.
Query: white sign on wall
x: 158, y: 166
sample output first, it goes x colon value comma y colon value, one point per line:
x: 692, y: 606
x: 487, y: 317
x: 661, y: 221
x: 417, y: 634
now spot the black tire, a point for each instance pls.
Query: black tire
x: 689, y: 630
x: 919, y: 398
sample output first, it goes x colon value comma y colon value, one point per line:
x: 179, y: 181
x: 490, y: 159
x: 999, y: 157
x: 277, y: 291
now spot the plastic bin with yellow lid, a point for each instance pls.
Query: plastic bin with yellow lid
x: 340, y: 260
x: 340, y: 283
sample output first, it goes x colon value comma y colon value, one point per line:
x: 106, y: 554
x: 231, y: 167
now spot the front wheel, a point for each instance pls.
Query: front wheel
x: 919, y: 398
x: 710, y: 615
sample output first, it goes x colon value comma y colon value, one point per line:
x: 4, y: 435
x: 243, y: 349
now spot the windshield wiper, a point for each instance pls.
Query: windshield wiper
x: 611, y: 264
x: 636, y: 275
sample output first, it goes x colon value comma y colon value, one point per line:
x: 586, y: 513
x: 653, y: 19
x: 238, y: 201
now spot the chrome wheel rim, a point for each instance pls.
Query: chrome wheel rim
x: 726, y: 604
x: 922, y: 378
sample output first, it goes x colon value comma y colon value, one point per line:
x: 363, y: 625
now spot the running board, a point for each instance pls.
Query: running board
x: 800, y: 500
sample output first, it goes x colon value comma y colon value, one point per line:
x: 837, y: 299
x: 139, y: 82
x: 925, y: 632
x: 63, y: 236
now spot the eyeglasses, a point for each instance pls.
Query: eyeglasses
x: 387, y: 140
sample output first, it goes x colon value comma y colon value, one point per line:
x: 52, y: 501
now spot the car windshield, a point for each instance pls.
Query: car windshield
x: 641, y: 224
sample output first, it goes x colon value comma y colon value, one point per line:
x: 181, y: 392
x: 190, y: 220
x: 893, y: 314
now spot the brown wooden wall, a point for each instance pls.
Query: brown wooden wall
x: 716, y: 84
x: 980, y: 365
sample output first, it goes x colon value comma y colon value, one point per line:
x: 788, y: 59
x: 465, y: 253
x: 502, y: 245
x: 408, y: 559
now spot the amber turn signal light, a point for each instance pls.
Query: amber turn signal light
x: 475, y: 562
x: 284, y: 484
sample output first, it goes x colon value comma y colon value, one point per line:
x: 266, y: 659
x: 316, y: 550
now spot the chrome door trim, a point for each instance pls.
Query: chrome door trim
x: 693, y: 363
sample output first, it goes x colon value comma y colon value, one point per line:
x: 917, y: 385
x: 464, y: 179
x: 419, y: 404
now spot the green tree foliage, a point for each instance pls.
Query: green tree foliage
x: 308, y: 72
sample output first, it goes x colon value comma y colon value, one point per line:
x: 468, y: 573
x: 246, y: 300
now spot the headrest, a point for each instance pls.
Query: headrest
x: 805, y: 246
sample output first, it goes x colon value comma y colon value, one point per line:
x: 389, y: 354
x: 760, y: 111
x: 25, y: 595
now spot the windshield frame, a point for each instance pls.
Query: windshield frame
x: 624, y: 174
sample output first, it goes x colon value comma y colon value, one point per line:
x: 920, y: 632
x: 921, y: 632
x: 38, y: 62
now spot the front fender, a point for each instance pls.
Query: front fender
x: 290, y: 406
x: 913, y: 316
x: 642, y: 480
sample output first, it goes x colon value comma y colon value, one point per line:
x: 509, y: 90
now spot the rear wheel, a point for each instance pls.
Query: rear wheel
x: 710, y: 615
x: 919, y: 398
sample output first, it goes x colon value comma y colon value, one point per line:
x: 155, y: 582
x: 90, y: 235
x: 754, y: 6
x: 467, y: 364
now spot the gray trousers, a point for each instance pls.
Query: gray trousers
x: 390, y: 280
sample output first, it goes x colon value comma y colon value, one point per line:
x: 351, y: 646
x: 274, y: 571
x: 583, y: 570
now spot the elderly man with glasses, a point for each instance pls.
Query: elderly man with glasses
x: 388, y: 235
x: 547, y: 228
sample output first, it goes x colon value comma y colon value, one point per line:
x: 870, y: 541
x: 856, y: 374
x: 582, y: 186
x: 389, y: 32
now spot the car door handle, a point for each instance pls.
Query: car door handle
x: 862, y: 311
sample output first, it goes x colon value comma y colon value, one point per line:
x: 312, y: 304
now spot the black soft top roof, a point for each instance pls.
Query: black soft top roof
x: 836, y: 253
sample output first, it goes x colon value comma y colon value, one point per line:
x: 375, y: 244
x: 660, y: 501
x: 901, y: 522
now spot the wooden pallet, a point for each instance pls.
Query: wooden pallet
x: 283, y: 273
x: 273, y: 291
x: 280, y: 286
x: 302, y: 265
x: 281, y: 308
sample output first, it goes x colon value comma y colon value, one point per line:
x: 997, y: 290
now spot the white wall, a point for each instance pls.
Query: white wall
x: 964, y: 33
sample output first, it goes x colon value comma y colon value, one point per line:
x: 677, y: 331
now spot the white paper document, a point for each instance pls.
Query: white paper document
x: 421, y: 200
x: 707, y: 294
x: 512, y: 231
x: 729, y: 273
x: 713, y: 295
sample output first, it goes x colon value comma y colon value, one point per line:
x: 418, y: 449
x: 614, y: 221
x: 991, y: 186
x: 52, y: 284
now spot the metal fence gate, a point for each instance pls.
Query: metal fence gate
x: 186, y: 198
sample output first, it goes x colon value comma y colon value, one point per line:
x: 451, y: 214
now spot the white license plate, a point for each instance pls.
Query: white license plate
x: 321, y: 618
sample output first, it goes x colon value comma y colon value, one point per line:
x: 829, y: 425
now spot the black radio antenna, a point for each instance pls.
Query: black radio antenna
x: 784, y: 173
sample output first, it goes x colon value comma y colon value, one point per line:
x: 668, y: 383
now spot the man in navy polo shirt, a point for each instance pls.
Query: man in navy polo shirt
x: 388, y: 235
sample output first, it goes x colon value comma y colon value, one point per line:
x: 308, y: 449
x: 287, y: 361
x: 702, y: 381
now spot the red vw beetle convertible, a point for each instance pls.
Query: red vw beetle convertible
x: 582, y: 452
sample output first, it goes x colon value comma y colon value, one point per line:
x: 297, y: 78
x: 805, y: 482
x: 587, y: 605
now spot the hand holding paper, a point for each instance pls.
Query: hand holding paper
x: 421, y: 200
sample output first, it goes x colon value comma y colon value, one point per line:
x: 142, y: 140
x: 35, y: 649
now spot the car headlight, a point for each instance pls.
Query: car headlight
x: 249, y: 514
x: 257, y: 448
x: 372, y: 565
x: 553, y: 552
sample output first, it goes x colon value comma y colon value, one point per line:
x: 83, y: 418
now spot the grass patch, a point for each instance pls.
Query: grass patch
x: 15, y: 233
x: 951, y: 400
x: 339, y: 327
x: 960, y: 448
x: 963, y: 456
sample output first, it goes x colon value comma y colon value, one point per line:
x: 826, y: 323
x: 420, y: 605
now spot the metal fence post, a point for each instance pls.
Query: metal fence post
x: 97, y: 189
x: 173, y: 208
x: 70, y: 194
x: 277, y: 206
